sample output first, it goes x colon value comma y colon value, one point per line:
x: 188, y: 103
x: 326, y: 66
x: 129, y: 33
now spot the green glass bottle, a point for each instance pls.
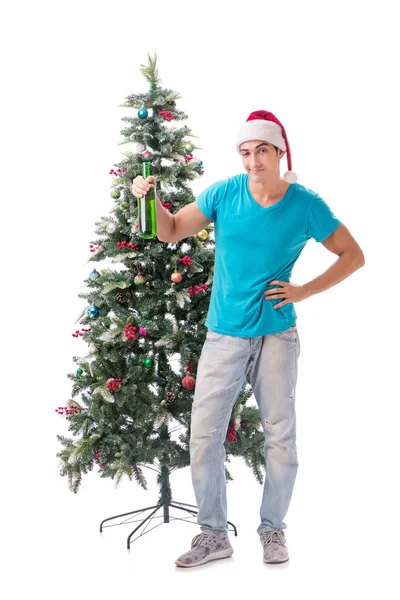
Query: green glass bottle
x: 147, y: 209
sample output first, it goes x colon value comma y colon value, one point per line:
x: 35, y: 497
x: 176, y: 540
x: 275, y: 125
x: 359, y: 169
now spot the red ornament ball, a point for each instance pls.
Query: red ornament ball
x: 188, y: 382
x: 176, y: 277
x: 147, y: 156
x: 139, y: 279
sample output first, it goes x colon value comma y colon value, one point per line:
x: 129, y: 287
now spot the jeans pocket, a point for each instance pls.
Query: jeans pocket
x: 289, y: 335
x: 214, y: 337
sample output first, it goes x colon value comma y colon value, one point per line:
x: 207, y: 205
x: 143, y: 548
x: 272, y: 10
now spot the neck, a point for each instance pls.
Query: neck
x: 269, y: 191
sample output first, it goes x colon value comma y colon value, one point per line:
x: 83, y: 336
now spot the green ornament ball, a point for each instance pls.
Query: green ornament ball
x: 79, y: 371
x: 115, y: 194
x: 148, y: 363
x: 189, y: 147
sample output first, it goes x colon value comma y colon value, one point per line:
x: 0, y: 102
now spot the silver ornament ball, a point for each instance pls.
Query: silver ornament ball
x: 111, y: 228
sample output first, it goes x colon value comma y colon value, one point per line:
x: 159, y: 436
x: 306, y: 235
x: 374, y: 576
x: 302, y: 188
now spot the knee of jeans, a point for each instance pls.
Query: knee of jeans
x: 203, y: 450
x: 202, y: 434
x: 200, y: 440
x: 278, y: 437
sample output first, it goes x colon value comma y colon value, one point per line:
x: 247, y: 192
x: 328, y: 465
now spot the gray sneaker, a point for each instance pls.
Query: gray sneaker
x: 205, y: 547
x: 274, y: 545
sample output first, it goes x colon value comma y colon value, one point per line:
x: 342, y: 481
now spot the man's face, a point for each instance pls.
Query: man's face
x: 260, y: 160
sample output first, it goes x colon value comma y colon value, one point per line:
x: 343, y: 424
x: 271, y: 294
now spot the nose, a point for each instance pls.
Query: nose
x: 254, y: 161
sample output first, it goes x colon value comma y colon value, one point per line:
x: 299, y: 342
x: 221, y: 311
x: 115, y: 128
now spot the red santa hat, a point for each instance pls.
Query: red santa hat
x: 263, y: 125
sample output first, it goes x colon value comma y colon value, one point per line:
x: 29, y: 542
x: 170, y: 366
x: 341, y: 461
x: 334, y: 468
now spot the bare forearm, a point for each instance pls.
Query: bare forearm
x: 344, y: 266
x: 165, y: 223
x: 186, y: 222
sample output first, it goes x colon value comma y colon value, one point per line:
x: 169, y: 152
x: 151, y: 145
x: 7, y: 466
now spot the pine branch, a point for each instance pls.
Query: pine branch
x: 140, y: 479
x: 150, y: 71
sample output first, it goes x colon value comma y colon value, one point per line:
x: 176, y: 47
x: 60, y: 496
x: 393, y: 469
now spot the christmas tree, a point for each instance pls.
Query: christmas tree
x: 143, y: 322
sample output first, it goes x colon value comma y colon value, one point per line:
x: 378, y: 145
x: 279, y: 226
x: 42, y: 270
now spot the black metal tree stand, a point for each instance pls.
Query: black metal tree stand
x: 165, y: 503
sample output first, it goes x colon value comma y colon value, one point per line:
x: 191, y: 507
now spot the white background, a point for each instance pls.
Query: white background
x: 328, y: 70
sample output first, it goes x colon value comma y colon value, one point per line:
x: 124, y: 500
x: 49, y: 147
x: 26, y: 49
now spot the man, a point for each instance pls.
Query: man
x: 262, y: 223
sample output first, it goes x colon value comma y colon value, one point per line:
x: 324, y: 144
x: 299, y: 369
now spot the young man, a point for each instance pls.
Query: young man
x: 262, y: 223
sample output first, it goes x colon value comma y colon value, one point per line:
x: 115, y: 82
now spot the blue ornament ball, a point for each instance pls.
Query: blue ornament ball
x: 93, y: 311
x: 143, y: 114
x: 94, y: 274
x: 200, y: 163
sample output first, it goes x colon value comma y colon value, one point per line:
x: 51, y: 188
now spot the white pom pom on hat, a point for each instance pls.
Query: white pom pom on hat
x: 263, y: 125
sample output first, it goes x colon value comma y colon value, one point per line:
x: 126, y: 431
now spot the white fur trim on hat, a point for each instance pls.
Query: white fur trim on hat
x: 290, y: 177
x: 258, y: 129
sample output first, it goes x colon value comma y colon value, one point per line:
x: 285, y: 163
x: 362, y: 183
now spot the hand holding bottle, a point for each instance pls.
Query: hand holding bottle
x: 140, y: 185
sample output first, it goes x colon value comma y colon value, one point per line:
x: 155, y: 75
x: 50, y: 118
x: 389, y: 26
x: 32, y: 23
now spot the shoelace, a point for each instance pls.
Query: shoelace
x: 198, y: 539
x: 269, y: 537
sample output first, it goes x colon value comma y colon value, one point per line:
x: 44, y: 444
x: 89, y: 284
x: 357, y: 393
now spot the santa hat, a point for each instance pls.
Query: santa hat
x: 263, y: 125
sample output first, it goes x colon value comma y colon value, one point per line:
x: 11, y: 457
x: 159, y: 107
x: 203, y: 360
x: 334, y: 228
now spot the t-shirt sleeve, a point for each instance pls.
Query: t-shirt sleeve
x: 321, y: 222
x: 209, y: 200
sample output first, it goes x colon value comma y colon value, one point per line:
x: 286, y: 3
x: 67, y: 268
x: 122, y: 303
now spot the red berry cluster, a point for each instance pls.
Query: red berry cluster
x: 125, y: 244
x: 117, y: 172
x: 189, y: 367
x: 69, y: 410
x: 167, y: 205
x: 186, y: 260
x: 98, y: 458
x: 78, y: 333
x: 195, y: 289
x: 130, y: 331
x: 167, y: 114
x: 188, y: 157
x: 113, y: 384
x: 232, y: 433
x: 94, y: 247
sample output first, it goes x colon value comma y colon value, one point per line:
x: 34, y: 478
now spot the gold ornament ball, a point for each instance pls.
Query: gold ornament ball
x: 189, y: 147
x: 176, y: 277
x: 202, y: 235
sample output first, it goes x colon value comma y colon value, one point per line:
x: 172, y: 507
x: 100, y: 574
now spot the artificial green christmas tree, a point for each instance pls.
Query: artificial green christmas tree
x: 143, y: 324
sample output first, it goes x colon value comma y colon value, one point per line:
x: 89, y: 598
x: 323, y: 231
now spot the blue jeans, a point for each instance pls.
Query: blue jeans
x: 223, y: 366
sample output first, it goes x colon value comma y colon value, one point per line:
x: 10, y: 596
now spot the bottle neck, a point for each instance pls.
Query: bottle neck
x: 146, y: 169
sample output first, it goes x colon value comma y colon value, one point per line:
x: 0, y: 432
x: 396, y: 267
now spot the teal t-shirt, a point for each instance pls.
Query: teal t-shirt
x: 256, y: 245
